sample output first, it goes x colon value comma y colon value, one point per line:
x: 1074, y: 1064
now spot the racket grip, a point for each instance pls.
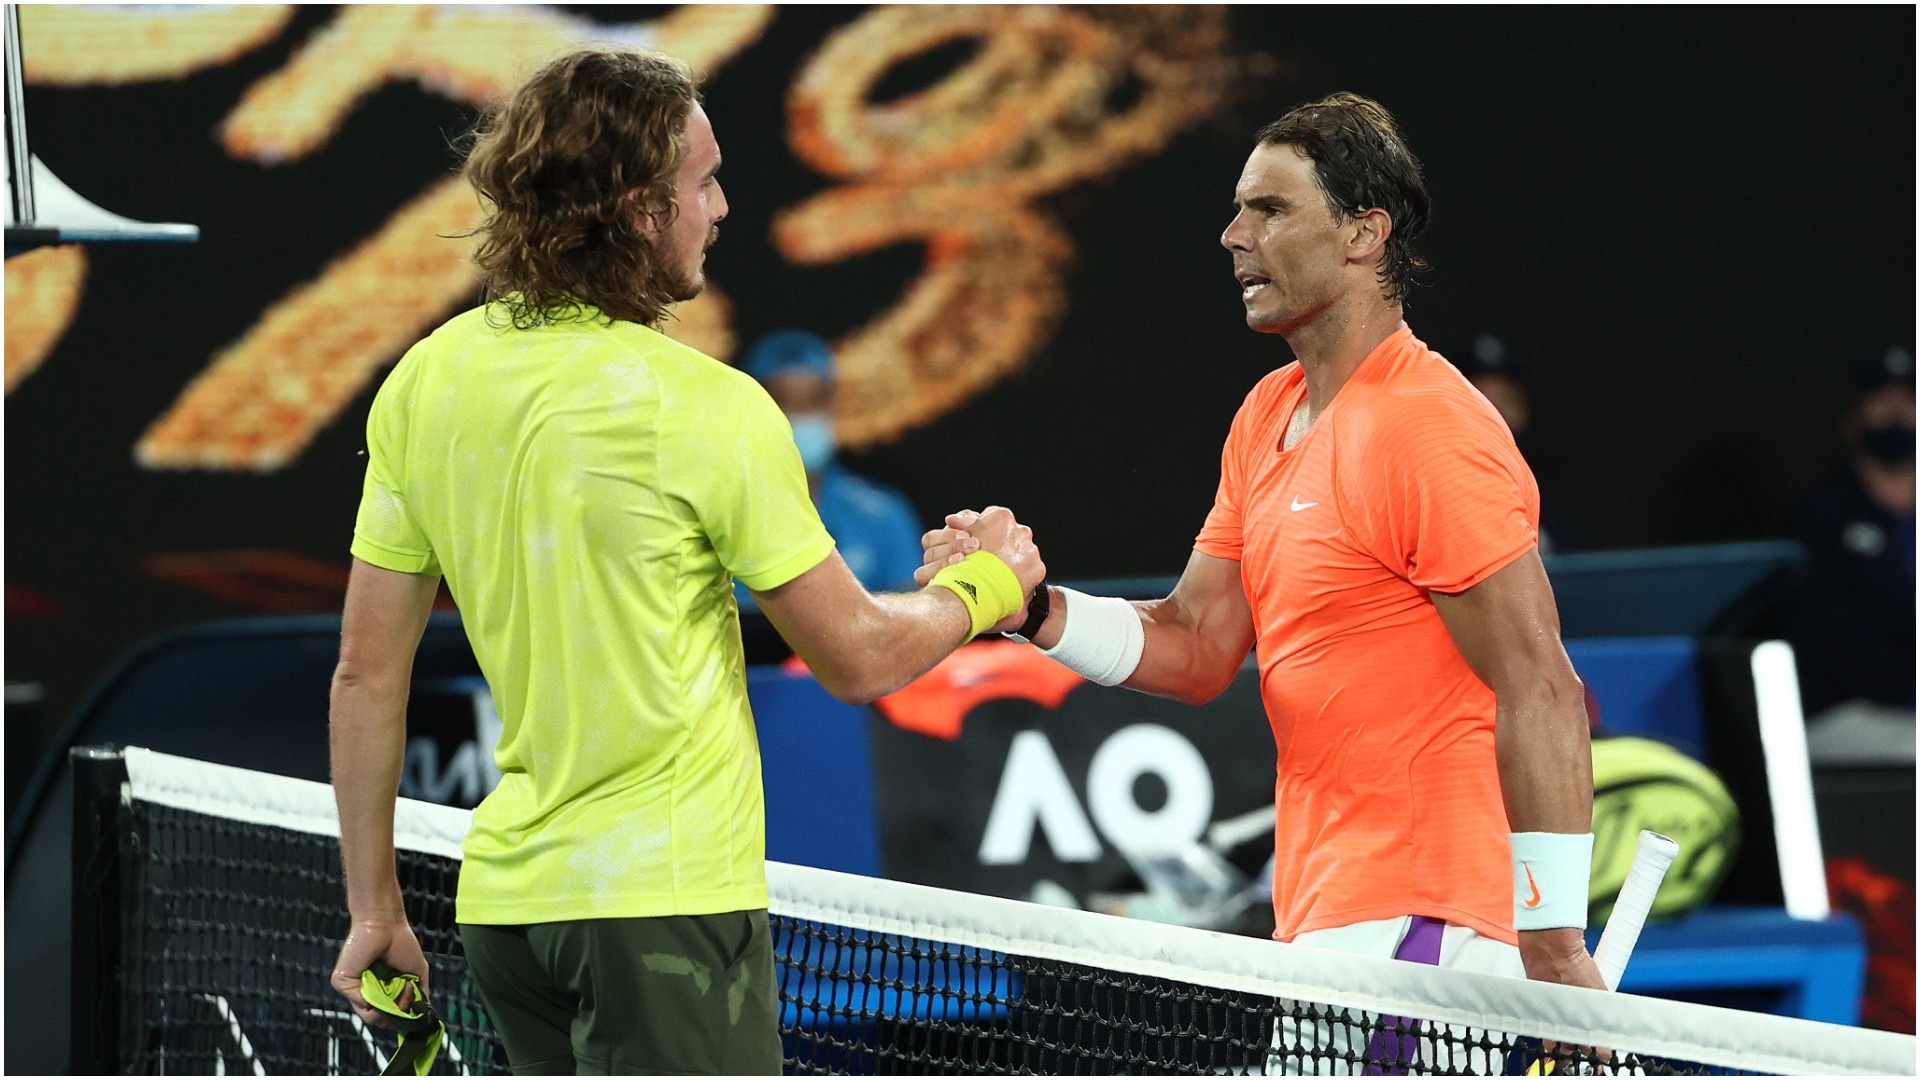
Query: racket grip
x: 1650, y: 861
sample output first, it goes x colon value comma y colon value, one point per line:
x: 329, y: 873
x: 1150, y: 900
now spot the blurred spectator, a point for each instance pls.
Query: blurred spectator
x: 1500, y: 377
x: 1851, y: 616
x: 874, y: 526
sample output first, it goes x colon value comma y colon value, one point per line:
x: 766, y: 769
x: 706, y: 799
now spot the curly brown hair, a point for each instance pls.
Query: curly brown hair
x: 1361, y: 162
x: 568, y: 168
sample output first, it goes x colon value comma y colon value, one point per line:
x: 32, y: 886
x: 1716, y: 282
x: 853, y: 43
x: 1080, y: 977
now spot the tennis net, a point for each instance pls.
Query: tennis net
x: 209, y: 903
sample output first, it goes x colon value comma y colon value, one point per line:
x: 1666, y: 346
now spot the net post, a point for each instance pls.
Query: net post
x: 19, y: 160
x: 99, y: 774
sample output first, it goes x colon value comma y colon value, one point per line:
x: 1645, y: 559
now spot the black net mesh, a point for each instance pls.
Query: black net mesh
x: 231, y: 928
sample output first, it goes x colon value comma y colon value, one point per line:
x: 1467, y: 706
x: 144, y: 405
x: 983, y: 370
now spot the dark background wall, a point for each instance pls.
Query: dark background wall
x: 1688, y: 221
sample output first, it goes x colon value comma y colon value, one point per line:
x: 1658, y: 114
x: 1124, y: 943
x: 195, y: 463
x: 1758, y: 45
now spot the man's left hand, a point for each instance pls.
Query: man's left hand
x: 371, y: 940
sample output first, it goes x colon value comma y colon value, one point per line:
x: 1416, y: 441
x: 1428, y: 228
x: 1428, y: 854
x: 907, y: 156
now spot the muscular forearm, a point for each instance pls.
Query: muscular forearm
x: 380, y: 629
x: 1508, y: 631
x: 367, y: 732
x: 1546, y: 778
x: 862, y: 646
x: 1546, y: 764
x: 892, y: 639
x: 1181, y: 659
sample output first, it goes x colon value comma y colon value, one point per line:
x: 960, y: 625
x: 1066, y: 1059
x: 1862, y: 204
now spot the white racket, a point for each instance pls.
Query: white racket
x: 1650, y: 861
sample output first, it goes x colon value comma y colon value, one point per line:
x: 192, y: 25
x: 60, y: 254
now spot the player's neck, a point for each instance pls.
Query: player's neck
x: 1331, y: 347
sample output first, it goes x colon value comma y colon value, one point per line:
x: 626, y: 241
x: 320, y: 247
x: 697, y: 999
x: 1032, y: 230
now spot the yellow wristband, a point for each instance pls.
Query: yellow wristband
x: 986, y: 585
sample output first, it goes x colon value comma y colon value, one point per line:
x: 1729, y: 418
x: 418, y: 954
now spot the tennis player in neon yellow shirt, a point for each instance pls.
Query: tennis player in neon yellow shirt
x: 589, y: 489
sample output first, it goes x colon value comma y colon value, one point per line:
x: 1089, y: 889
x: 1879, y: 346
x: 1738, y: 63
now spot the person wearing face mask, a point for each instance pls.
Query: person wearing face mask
x: 1851, y: 615
x: 876, y: 528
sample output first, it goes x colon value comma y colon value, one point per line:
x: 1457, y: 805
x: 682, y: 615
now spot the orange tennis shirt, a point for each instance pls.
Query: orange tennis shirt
x: 1388, y: 798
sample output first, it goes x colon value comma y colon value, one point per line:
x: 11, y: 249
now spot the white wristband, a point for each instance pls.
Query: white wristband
x: 1550, y: 875
x: 1101, y: 638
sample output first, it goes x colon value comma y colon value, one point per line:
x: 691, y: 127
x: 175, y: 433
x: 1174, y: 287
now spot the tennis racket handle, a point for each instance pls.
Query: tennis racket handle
x: 1650, y: 861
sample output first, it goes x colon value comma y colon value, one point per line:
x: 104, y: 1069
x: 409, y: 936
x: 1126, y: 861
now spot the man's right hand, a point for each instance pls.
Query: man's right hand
x: 944, y: 547
x: 993, y: 530
x: 1561, y: 956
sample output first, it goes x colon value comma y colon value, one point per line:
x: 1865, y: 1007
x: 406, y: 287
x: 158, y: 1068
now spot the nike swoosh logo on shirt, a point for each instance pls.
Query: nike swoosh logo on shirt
x: 1299, y: 506
x: 1534, y: 900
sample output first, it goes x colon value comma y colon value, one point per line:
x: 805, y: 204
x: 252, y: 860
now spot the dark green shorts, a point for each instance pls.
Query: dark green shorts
x: 674, y: 994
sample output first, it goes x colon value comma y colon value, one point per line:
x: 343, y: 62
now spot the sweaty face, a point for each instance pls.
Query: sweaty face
x: 1288, y: 247
x: 699, y: 207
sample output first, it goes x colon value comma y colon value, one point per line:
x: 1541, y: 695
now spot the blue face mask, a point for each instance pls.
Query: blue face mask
x: 813, y: 434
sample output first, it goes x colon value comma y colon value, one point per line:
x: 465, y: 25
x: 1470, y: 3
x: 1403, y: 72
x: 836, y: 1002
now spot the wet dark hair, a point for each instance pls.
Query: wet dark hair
x: 569, y: 167
x: 1361, y: 163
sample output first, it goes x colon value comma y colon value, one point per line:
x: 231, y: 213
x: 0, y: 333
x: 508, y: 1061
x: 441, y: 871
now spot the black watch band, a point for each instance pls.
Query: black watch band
x: 1038, y: 605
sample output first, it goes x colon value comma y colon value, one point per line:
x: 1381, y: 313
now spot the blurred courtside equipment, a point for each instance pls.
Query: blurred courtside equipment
x: 40, y: 209
x: 1643, y: 784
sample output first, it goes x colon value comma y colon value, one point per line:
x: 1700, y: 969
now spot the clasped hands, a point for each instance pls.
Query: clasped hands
x: 992, y: 530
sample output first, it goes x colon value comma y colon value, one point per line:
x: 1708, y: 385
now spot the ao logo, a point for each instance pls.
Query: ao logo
x: 1034, y: 791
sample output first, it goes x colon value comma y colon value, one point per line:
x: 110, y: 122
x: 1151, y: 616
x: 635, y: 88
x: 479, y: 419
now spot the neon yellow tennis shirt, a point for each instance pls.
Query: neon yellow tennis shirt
x: 589, y: 491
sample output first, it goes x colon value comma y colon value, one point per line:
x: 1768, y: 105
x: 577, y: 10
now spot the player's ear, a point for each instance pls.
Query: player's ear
x: 649, y: 221
x: 1369, y: 238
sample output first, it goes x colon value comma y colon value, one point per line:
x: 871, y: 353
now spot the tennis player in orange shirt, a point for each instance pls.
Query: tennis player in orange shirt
x: 1374, y: 538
